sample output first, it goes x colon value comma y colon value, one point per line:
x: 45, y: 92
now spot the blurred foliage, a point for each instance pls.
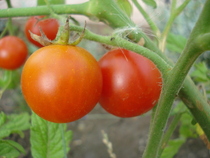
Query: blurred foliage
x: 10, y: 124
x: 186, y: 129
x: 175, y: 43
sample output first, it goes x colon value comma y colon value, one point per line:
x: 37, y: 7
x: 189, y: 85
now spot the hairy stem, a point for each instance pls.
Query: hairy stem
x: 169, y: 132
x: 151, y: 23
x: 200, y: 110
x: 175, y: 81
x: 108, y: 12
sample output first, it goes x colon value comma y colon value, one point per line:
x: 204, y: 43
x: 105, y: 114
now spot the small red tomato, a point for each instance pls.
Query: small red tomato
x: 61, y: 83
x: 13, y: 52
x: 48, y: 26
x: 131, y: 83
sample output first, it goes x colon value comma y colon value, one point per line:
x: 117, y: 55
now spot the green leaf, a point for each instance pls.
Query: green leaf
x: 47, y: 138
x: 14, y: 123
x: 15, y: 81
x: 200, y: 74
x: 42, y: 2
x: 175, y: 43
x: 10, y: 149
x: 125, y: 6
x: 151, y: 3
x: 173, y: 147
x: 179, y: 108
x: 9, y: 79
x: 187, y: 129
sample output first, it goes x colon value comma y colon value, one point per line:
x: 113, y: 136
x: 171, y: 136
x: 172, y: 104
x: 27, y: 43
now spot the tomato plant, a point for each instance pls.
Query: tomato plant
x: 131, y: 83
x: 13, y: 52
x: 61, y: 83
x: 50, y: 85
x: 48, y: 26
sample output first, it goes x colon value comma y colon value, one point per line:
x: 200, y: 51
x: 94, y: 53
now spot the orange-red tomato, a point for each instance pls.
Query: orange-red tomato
x: 13, y: 52
x: 61, y: 83
x: 131, y: 83
x: 48, y: 26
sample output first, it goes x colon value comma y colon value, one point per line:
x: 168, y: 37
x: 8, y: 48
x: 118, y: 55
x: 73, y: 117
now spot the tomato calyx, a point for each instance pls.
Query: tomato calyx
x: 62, y: 37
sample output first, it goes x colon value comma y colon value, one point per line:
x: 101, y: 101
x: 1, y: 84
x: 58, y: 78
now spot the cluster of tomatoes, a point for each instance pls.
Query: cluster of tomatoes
x: 62, y: 83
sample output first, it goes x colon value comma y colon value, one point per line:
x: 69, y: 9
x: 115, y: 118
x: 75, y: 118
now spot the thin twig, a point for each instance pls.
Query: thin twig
x: 108, y: 144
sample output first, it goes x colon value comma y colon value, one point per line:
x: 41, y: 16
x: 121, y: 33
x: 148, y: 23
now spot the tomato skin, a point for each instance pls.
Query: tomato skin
x: 48, y: 26
x: 61, y: 83
x: 13, y: 52
x: 131, y: 83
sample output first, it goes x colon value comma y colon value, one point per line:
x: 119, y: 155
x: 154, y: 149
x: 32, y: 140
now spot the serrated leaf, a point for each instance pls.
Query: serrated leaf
x: 14, y: 123
x: 172, y: 147
x: 10, y: 149
x: 42, y: 2
x: 46, y: 138
x: 175, y: 43
x: 151, y: 3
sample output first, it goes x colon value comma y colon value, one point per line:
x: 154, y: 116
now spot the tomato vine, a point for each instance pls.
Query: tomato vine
x: 175, y: 78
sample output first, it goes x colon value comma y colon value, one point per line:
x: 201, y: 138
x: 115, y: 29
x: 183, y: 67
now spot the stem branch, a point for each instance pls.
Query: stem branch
x: 151, y: 23
x: 169, y: 132
x: 174, y: 83
x: 174, y: 13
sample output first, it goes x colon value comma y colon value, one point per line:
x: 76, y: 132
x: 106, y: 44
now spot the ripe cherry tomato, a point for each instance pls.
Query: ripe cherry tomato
x: 61, y: 83
x: 48, y: 26
x: 13, y: 52
x: 131, y: 83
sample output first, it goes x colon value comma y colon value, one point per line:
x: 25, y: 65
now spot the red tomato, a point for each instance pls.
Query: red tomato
x: 13, y: 52
x: 61, y: 83
x: 131, y: 83
x: 48, y: 26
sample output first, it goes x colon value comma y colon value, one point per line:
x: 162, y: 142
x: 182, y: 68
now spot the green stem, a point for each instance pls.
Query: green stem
x: 195, y: 104
x: 151, y: 23
x: 63, y: 35
x: 170, y: 89
x: 5, y: 81
x: 174, y: 82
x: 3, y: 33
x: 120, y: 42
x: 106, y: 11
x: 44, y: 10
x: 52, y: 13
x: 114, y: 18
x: 169, y: 132
x: 9, y: 4
x: 174, y: 13
x: 10, y: 27
x: 9, y: 22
